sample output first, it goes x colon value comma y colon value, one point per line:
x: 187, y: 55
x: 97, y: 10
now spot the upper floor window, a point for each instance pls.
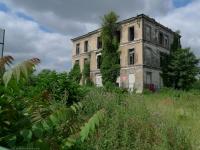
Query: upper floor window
x: 131, y: 34
x: 118, y: 36
x: 131, y: 56
x: 78, y: 49
x: 99, y: 42
x: 98, y: 61
x: 148, y: 32
x: 86, y: 46
x: 161, y: 37
x: 166, y: 41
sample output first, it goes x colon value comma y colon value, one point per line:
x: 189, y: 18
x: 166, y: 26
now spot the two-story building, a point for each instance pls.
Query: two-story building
x: 143, y: 41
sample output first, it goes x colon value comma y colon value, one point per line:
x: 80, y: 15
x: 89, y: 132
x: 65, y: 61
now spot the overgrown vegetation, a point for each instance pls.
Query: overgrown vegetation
x: 110, y: 66
x: 180, y: 68
x: 41, y: 111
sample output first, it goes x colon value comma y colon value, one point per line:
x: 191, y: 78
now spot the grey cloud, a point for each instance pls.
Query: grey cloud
x: 186, y: 20
x: 73, y: 16
x: 25, y: 40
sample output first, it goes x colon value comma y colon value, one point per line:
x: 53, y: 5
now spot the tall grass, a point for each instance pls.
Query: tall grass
x: 131, y: 122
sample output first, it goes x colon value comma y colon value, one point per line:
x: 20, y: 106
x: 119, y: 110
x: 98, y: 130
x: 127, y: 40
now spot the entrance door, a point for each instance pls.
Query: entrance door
x: 98, y: 80
x: 131, y: 80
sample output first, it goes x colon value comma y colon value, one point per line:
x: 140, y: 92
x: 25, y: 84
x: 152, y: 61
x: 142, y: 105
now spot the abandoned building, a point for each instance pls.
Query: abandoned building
x: 143, y: 41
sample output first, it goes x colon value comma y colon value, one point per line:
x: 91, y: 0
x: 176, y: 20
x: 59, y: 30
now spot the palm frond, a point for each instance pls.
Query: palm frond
x: 20, y: 70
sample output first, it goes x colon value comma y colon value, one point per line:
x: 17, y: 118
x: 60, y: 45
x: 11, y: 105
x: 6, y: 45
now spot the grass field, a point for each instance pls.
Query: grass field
x: 167, y: 119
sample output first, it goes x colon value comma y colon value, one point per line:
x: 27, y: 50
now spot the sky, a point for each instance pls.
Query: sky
x: 43, y: 28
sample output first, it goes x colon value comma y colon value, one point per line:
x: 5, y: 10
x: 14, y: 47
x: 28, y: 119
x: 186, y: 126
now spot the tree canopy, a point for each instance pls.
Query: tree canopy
x: 180, y: 67
x: 110, y: 67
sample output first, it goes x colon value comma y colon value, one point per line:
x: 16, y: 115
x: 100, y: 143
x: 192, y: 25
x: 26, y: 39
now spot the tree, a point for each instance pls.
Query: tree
x: 180, y: 68
x: 110, y: 67
x: 86, y: 74
x: 75, y: 73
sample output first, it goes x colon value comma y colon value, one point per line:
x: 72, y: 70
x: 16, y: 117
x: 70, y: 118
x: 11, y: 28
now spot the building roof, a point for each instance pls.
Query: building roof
x: 126, y: 21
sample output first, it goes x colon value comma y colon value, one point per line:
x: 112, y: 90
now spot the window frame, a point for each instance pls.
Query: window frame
x: 132, y: 53
x: 86, y: 46
x: 129, y: 34
x: 77, y: 48
x: 148, y: 26
x: 99, y: 42
x: 148, y: 73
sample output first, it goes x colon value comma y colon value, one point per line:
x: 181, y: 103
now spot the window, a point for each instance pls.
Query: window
x: 99, y: 42
x: 77, y: 62
x: 131, y: 34
x: 98, y: 61
x: 147, y: 32
x: 163, y: 59
x: 166, y: 41
x: 78, y: 49
x: 148, y: 78
x: 118, y: 36
x: 85, y: 60
x: 131, y: 55
x: 161, y: 38
x: 86, y: 46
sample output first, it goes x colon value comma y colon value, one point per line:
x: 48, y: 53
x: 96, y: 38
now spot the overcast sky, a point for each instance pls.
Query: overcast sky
x: 43, y: 28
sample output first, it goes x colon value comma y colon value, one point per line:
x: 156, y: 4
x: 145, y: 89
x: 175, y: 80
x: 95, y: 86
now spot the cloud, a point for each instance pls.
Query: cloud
x: 43, y: 28
x: 186, y: 19
x: 25, y: 39
x: 74, y: 16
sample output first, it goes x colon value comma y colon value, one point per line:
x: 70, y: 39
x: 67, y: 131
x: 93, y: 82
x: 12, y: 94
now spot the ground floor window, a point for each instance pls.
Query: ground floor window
x: 148, y: 78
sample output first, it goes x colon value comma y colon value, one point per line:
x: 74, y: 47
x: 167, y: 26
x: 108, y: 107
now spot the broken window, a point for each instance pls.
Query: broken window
x: 118, y: 36
x: 131, y: 34
x: 99, y: 42
x: 161, y: 38
x: 85, y: 46
x: 78, y: 49
x: 131, y: 54
x: 148, y: 32
x: 163, y: 59
x: 98, y: 61
x: 166, y: 41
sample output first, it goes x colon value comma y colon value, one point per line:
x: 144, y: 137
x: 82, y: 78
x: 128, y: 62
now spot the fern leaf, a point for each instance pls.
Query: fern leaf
x: 6, y: 60
x: 90, y: 125
x: 6, y: 77
x: 23, y: 68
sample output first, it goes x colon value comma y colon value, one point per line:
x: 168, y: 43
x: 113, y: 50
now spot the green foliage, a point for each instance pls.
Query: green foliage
x: 20, y: 70
x: 110, y: 66
x: 75, y: 73
x: 180, y: 68
x: 86, y: 74
x: 57, y: 86
x: 131, y: 123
